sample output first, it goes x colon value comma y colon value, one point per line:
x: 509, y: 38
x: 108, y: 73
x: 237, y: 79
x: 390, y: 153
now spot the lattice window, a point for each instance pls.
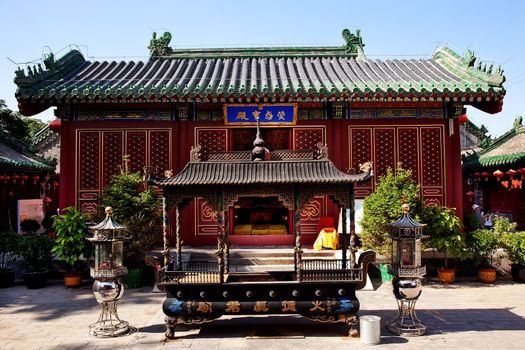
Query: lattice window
x: 112, y: 150
x: 408, y: 150
x: 160, y: 151
x: 212, y: 140
x: 384, y: 150
x: 89, y: 149
x: 136, y: 143
x: 431, y: 156
x: 307, y: 138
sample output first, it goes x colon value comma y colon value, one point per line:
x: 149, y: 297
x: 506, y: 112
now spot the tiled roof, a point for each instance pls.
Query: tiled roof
x: 291, y: 74
x: 506, y: 149
x: 259, y: 173
x: 14, y: 156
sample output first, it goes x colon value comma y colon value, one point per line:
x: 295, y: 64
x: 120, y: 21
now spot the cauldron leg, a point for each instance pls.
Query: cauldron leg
x: 353, y: 323
x: 171, y: 323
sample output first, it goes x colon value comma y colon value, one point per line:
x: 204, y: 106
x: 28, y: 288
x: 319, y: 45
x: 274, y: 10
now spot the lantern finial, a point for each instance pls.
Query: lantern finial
x: 406, y: 208
x: 109, y: 211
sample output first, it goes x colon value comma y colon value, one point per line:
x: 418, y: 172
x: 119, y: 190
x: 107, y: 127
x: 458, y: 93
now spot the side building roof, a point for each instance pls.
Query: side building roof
x: 508, y: 149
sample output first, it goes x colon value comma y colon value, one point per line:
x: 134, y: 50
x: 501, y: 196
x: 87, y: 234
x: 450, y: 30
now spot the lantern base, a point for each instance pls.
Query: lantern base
x: 109, y: 324
x: 406, y: 323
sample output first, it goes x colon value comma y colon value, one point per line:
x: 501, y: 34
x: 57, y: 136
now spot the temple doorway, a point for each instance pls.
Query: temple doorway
x: 260, y: 216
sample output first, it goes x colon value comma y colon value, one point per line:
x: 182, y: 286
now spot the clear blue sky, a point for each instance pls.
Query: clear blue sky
x: 495, y: 31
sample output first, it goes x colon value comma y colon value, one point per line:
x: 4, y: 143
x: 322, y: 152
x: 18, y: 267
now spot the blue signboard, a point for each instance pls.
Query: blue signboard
x: 274, y: 114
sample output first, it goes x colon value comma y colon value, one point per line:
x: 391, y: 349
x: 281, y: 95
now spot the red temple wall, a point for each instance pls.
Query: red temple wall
x: 92, y: 151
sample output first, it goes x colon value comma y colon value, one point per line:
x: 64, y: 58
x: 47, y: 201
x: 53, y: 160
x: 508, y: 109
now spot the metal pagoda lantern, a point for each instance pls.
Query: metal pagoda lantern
x: 406, y: 234
x: 108, y: 238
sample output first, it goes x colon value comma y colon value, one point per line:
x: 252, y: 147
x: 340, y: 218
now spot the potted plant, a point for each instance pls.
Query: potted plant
x: 444, y: 231
x: 9, y: 249
x: 514, y: 243
x: 35, y: 250
x: 482, y: 245
x: 70, y: 243
x: 137, y: 208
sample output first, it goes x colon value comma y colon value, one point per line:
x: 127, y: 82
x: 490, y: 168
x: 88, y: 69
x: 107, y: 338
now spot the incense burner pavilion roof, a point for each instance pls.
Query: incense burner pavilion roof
x: 284, y: 74
x: 260, y: 173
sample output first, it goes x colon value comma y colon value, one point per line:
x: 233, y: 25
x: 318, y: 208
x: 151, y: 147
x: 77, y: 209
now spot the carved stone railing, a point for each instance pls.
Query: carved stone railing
x: 193, y: 271
x: 323, y: 270
x: 228, y: 156
x: 276, y: 155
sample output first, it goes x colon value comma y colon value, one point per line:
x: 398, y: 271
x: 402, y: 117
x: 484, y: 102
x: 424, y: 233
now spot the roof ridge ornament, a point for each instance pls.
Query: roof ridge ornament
x: 158, y: 48
x: 354, y: 43
x: 323, y: 150
x: 259, y: 151
x: 195, y: 155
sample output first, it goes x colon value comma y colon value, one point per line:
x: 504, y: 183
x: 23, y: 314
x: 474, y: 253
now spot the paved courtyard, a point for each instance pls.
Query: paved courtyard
x: 465, y: 315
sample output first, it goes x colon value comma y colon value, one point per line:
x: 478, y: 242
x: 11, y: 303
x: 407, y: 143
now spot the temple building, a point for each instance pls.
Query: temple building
x: 494, y: 175
x: 329, y: 102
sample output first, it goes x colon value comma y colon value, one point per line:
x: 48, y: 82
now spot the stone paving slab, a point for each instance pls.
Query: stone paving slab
x: 465, y: 315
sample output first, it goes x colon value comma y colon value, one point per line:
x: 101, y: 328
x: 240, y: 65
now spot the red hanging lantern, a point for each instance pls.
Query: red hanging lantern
x: 48, y: 200
x: 498, y: 174
x: 511, y: 173
x: 23, y: 179
x: 477, y: 174
x: 486, y: 175
x: 56, y: 125
x: 35, y: 179
x: 463, y: 119
x: 469, y: 194
x: 6, y: 178
x: 55, y: 184
x: 15, y: 178
x: 521, y: 171
x: 1, y: 178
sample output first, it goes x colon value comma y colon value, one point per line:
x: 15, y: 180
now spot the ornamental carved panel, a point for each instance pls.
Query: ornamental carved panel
x: 89, y: 160
x: 310, y: 215
x: 159, y: 153
x: 408, y: 150
x: 384, y: 151
x: 112, y: 153
x: 307, y: 138
x: 136, y: 149
x: 206, y: 217
x: 432, y: 167
x: 212, y: 140
x: 360, y: 152
x: 88, y: 170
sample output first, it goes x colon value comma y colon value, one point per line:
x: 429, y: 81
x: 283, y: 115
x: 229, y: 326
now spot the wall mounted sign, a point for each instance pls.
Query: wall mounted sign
x: 271, y: 114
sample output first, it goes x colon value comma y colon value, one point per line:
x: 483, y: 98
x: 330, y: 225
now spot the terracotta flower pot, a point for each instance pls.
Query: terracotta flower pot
x: 73, y: 280
x: 446, y: 275
x: 487, y: 275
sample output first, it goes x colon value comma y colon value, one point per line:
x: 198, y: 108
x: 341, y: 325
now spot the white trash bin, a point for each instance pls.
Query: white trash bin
x: 370, y: 329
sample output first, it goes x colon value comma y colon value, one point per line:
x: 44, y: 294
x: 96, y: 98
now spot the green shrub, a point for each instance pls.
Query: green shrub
x: 470, y: 222
x: 481, y: 245
x: 443, y: 230
x: 71, y: 230
x: 514, y: 244
x: 137, y: 208
x: 502, y: 225
x: 9, y: 248
x: 36, y: 251
x: 384, y: 206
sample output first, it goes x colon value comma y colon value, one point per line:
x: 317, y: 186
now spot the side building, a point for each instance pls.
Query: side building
x: 361, y: 109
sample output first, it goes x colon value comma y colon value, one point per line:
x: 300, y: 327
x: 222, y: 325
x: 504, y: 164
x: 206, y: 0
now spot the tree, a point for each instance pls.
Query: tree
x: 12, y: 123
x: 137, y: 208
x: 384, y: 206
